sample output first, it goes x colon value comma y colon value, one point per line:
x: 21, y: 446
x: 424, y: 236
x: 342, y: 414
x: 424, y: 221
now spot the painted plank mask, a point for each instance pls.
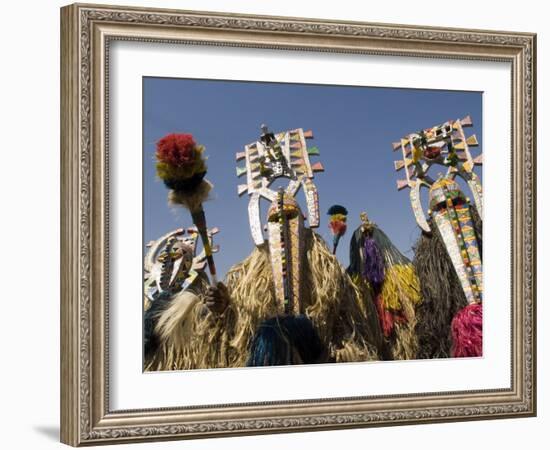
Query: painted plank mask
x: 284, y: 155
x: 448, y: 256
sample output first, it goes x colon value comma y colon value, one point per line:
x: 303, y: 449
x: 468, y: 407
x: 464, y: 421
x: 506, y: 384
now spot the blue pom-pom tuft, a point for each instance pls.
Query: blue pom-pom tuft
x: 286, y: 340
x: 337, y: 209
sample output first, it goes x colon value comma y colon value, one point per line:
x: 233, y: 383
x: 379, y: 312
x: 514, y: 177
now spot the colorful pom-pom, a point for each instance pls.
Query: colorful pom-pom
x: 177, y: 150
x: 337, y: 227
x: 337, y: 209
x: 180, y: 163
x: 338, y: 219
x: 467, y: 331
x: 337, y: 224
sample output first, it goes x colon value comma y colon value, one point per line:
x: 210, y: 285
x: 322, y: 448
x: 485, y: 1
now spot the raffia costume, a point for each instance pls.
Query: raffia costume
x: 194, y: 339
x: 290, y: 290
x: 386, y: 276
x: 448, y: 255
x: 174, y: 287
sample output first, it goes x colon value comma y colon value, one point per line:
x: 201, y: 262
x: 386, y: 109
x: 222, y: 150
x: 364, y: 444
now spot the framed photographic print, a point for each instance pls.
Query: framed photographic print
x: 278, y: 224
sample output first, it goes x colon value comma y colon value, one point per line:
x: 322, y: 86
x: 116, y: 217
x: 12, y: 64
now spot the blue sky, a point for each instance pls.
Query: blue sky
x: 353, y: 129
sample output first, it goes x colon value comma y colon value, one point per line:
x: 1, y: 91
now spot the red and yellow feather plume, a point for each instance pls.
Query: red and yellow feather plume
x: 337, y: 224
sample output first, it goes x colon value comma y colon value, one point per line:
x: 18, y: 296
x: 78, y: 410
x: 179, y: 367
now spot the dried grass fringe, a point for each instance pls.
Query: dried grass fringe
x: 403, y: 344
x: 401, y: 291
x: 400, y: 286
x: 442, y: 296
x: 192, y: 338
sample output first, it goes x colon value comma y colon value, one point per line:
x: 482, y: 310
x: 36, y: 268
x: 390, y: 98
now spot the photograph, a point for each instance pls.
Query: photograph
x: 274, y: 223
x: 288, y: 224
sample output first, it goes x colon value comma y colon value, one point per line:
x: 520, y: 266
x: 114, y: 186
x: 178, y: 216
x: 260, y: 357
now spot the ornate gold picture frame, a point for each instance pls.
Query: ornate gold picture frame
x: 87, y: 32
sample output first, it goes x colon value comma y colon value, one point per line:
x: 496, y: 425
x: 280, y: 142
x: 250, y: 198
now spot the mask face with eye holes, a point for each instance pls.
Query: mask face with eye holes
x: 432, y: 143
x: 181, y: 250
x: 443, y: 191
x: 176, y: 261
